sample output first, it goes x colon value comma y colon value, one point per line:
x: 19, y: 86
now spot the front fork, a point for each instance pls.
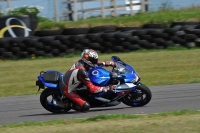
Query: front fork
x: 124, y: 93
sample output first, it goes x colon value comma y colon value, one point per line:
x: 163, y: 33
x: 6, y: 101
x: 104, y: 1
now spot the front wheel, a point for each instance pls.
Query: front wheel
x: 140, y: 97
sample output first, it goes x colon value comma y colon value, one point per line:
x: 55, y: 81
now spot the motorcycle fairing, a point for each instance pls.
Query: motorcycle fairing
x: 49, y: 84
x: 131, y: 75
x: 125, y: 87
x: 119, y: 90
x: 99, y: 76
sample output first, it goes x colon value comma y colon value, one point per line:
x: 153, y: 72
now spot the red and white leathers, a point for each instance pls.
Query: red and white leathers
x: 76, y: 75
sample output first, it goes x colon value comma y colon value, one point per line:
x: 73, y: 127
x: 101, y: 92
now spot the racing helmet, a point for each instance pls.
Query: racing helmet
x: 89, y: 57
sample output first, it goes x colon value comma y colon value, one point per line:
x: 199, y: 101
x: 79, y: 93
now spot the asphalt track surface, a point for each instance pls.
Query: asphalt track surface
x: 164, y: 98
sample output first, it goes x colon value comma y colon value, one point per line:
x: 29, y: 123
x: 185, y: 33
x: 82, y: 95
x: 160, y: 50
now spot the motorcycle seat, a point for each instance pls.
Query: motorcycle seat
x: 51, y: 76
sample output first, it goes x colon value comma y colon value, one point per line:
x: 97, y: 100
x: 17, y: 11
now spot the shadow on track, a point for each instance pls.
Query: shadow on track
x: 75, y: 112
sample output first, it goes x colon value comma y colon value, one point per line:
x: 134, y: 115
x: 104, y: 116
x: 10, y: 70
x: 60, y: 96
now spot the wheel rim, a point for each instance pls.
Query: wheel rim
x: 136, y: 98
x: 49, y: 103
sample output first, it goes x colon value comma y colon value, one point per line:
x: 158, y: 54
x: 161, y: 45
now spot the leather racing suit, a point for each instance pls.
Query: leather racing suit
x: 76, y: 75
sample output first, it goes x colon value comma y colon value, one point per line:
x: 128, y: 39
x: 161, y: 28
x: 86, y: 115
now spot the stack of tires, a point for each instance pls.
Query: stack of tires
x: 13, y: 48
x: 105, y: 39
x: 186, y: 34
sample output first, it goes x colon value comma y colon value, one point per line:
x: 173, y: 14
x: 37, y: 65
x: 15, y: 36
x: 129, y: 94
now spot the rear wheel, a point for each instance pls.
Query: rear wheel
x: 141, y: 97
x: 46, y: 100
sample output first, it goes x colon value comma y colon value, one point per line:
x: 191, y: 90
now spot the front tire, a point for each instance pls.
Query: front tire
x: 46, y: 99
x: 141, y: 97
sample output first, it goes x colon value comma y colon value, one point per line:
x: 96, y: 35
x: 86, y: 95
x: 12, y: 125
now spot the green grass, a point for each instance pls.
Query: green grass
x: 155, y: 67
x: 183, y: 121
x: 161, y: 17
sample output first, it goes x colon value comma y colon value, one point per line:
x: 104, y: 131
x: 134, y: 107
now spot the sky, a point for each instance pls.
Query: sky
x: 48, y: 5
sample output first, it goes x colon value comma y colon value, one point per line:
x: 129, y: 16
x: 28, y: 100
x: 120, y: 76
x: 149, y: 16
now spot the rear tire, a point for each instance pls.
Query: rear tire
x: 141, y: 98
x: 54, y: 93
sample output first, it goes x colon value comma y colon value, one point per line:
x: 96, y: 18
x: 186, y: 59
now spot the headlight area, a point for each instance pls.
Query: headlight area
x: 136, y: 80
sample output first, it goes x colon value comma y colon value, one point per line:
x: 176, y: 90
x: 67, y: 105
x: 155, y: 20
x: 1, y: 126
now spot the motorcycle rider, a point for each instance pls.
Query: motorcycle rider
x: 78, y: 74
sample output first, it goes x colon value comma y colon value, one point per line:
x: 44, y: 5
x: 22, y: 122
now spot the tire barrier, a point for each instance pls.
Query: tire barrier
x: 104, y: 39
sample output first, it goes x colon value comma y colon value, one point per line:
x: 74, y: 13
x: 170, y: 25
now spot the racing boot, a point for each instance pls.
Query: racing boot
x: 84, y: 108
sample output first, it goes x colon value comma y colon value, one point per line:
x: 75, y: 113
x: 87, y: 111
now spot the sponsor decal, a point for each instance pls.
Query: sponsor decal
x: 9, y: 28
x: 95, y: 72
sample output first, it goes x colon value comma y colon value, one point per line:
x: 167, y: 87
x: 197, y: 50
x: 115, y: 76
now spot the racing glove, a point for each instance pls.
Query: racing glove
x: 108, y: 88
x: 107, y: 63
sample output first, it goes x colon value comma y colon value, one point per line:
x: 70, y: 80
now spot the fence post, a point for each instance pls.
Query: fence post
x: 102, y: 9
x: 82, y: 6
x: 146, y: 5
x: 143, y: 5
x: 56, y: 11
x: 131, y: 7
x: 113, y: 4
x: 75, y: 10
x: 69, y: 7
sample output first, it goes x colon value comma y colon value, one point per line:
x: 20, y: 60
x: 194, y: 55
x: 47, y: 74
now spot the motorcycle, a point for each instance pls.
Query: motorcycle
x: 128, y: 88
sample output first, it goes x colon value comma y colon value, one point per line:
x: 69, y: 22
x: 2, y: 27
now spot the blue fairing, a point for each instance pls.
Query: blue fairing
x: 47, y: 84
x: 129, y: 76
x: 99, y: 76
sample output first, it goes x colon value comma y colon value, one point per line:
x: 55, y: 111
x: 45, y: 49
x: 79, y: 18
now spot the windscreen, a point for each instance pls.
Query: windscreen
x: 121, y: 69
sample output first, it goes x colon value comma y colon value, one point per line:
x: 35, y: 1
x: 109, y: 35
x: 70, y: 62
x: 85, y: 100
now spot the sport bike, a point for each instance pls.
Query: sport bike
x: 127, y: 88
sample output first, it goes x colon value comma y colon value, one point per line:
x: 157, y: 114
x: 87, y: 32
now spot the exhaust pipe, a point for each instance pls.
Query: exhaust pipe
x: 102, y: 99
x: 58, y: 103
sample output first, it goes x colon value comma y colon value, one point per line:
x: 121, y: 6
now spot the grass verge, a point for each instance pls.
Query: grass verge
x: 156, y: 67
x: 162, y: 17
x: 183, y: 121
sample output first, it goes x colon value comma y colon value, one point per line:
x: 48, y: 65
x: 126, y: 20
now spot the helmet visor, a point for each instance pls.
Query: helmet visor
x: 94, y: 61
